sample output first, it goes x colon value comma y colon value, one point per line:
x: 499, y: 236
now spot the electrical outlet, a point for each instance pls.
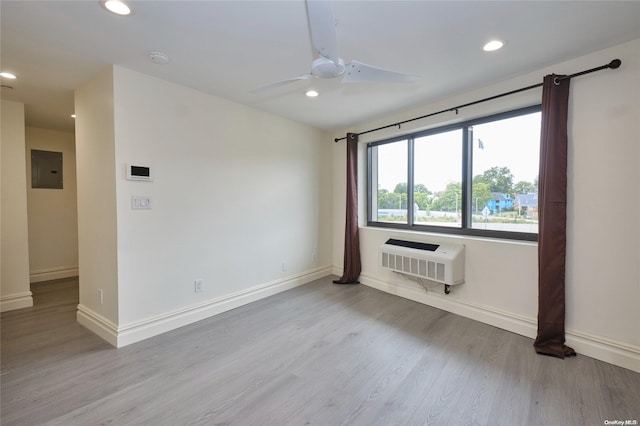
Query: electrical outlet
x: 313, y: 258
x: 197, y: 286
x: 284, y: 266
x: 101, y: 296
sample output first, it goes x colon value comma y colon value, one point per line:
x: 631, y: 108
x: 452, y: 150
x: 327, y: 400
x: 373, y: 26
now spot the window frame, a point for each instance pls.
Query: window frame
x: 466, y: 179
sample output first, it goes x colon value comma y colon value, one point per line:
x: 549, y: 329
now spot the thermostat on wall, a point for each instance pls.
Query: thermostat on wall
x: 139, y: 172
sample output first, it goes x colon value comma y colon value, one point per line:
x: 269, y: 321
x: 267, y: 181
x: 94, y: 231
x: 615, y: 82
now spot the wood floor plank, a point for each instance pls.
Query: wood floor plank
x: 320, y: 354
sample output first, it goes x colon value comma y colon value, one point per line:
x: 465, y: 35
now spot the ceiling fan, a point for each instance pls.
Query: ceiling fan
x: 328, y: 64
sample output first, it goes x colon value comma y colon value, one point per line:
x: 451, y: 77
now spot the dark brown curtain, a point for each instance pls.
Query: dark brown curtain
x: 552, y: 210
x: 352, y: 266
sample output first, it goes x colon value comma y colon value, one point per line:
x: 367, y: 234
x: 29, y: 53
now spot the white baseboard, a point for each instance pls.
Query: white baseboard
x: 98, y: 324
x: 53, y: 273
x: 617, y: 353
x: 16, y: 301
x: 127, y: 334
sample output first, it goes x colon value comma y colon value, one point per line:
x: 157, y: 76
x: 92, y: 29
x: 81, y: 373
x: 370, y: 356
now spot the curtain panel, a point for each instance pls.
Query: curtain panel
x: 552, y: 201
x: 351, y: 265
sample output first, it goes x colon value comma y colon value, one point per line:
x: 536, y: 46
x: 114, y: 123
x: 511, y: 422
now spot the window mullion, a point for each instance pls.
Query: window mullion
x: 467, y: 178
x: 372, y: 199
x: 410, y: 182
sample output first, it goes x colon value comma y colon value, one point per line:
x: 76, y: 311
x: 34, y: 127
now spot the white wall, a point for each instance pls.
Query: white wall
x: 52, y: 213
x: 603, y: 252
x: 96, y: 188
x: 235, y: 193
x: 14, y: 251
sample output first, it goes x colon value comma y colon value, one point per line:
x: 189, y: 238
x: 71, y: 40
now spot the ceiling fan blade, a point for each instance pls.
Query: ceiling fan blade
x: 357, y: 72
x: 323, y: 29
x: 280, y: 83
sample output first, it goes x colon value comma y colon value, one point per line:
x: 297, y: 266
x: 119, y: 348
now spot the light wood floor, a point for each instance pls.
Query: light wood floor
x: 320, y: 354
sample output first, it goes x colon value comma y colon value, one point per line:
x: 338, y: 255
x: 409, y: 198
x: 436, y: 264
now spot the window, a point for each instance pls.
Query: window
x: 437, y: 190
x: 479, y: 177
x: 391, y: 166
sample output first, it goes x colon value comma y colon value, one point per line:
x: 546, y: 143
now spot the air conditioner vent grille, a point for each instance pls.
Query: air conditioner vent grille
x: 445, y: 264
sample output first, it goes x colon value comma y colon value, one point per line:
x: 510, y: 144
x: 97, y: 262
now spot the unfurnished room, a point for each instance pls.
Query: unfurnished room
x: 315, y: 212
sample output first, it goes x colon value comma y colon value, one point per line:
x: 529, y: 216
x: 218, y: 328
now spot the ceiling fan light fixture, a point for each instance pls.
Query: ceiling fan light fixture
x: 311, y: 93
x: 8, y: 75
x: 117, y: 6
x: 493, y: 45
x: 325, y: 68
x: 327, y: 63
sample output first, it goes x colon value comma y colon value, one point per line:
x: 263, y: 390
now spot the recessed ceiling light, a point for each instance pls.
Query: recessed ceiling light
x: 73, y: 116
x: 117, y: 6
x: 7, y: 75
x: 311, y: 93
x: 493, y: 45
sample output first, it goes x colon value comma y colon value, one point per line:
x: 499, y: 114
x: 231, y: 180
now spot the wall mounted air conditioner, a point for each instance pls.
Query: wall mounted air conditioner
x: 442, y: 263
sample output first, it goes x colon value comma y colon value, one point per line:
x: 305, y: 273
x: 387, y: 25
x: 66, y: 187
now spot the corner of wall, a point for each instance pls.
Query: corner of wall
x: 96, y: 199
x: 14, y: 250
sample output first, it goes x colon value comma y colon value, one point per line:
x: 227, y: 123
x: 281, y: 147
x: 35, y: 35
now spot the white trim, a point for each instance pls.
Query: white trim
x: 16, y: 301
x: 336, y: 271
x: 613, y: 352
x: 53, y: 273
x: 120, y: 336
x: 98, y: 324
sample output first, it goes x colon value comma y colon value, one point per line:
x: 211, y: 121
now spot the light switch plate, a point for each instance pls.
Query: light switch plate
x: 140, y: 202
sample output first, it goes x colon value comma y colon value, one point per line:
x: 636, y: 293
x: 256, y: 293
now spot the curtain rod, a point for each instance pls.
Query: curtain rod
x: 613, y: 65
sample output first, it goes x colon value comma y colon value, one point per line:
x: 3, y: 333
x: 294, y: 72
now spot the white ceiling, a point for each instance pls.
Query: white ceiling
x: 228, y: 48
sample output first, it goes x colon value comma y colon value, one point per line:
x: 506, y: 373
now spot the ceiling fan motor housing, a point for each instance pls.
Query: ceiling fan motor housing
x: 326, y: 68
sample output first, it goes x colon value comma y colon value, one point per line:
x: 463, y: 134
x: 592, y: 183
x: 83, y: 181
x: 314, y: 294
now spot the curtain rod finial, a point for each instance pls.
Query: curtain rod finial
x: 615, y: 64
